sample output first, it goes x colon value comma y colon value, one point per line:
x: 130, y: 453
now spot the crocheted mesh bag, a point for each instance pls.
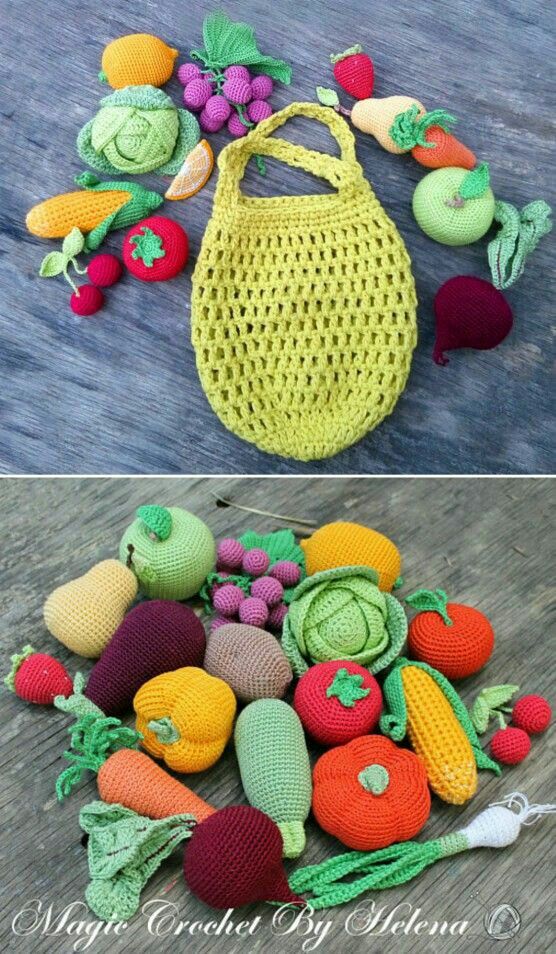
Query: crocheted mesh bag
x: 303, y: 308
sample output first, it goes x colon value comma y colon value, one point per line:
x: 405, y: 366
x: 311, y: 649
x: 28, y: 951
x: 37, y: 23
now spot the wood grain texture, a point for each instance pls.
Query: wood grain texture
x: 120, y: 393
x: 488, y: 543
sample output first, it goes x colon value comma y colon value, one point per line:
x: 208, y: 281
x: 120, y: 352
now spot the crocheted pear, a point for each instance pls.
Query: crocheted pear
x: 138, y: 129
x: 170, y: 551
x: 350, y: 544
x: 275, y: 768
x: 84, y: 613
x: 342, y: 614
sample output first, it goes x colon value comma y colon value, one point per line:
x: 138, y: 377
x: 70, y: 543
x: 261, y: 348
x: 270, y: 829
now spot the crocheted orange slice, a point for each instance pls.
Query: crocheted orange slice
x: 194, y: 173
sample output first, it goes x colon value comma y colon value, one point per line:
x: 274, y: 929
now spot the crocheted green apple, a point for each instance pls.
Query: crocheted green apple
x: 454, y: 206
x: 170, y: 551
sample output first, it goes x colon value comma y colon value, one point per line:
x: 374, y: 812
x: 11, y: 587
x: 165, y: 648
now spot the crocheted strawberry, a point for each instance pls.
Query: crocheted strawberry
x: 354, y: 71
x: 156, y: 249
x: 510, y: 746
x: 38, y: 677
x: 453, y: 638
x: 532, y: 714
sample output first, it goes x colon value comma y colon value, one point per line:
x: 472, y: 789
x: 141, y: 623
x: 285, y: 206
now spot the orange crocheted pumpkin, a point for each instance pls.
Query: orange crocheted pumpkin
x: 370, y: 793
x: 455, y: 639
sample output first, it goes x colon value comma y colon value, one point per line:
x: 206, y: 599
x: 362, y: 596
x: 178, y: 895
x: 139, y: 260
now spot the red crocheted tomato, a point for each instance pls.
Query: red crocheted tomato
x: 337, y: 701
x: 156, y: 249
x: 455, y: 639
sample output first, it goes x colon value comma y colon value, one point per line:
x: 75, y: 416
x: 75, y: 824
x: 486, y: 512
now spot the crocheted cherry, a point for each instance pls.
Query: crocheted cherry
x: 38, y: 677
x: 510, y: 746
x: 532, y: 714
x: 104, y: 270
x: 354, y: 71
x: 156, y: 249
x: 455, y: 639
x: 234, y: 857
x: 337, y: 701
x: 470, y: 313
x: 86, y: 301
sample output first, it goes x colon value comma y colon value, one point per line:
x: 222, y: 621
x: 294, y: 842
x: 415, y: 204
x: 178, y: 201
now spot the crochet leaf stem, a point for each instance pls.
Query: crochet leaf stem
x: 434, y: 601
x: 409, y: 131
x: 93, y: 738
x: 518, y: 236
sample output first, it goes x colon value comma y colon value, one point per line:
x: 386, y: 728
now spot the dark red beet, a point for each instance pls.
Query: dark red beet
x: 234, y: 857
x: 155, y: 637
x: 470, y: 313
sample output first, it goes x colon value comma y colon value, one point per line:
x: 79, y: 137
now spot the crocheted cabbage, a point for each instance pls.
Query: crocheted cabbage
x: 138, y: 129
x: 342, y: 614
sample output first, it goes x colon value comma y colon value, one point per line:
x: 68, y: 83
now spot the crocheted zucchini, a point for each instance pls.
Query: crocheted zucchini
x: 423, y: 704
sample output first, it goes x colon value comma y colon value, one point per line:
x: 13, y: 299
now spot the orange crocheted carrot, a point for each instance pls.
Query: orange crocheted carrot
x: 130, y: 778
x: 446, y: 151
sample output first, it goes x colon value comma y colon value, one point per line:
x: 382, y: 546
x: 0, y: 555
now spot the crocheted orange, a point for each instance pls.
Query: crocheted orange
x: 136, y: 60
x: 370, y: 793
x: 455, y: 639
x: 351, y: 544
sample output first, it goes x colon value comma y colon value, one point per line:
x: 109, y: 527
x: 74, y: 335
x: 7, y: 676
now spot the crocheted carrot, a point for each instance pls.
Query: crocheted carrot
x: 426, y: 706
x: 429, y: 138
x: 496, y: 827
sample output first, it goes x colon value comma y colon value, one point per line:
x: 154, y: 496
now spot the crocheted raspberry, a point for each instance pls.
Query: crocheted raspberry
x: 38, y: 677
x: 156, y: 249
x: 338, y: 701
x: 455, y: 639
x: 510, y: 746
x: 532, y: 714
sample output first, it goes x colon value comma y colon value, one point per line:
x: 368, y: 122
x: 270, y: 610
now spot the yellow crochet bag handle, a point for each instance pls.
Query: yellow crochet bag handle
x: 303, y: 306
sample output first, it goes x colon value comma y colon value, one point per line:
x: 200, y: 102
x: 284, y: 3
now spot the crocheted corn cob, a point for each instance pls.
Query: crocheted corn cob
x: 137, y: 60
x: 424, y: 704
x: 275, y: 769
x: 185, y: 717
x: 170, y: 551
x: 370, y: 793
x: 84, y: 613
x: 250, y: 660
x: 351, y: 544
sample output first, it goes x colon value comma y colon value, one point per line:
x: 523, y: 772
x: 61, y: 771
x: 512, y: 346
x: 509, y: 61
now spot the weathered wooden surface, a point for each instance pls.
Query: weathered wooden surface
x: 487, y: 543
x: 120, y: 393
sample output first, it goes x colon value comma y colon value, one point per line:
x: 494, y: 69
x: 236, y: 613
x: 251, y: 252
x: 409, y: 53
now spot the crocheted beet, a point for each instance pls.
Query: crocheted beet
x: 234, y: 858
x: 470, y: 313
x: 510, y: 746
x: 455, y: 639
x: 155, y: 637
x: 532, y: 714
x: 338, y: 701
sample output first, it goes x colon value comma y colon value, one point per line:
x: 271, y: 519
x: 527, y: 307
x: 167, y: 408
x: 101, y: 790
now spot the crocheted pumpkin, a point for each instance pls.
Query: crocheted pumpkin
x: 453, y: 206
x: 342, y: 614
x: 250, y: 660
x: 455, y: 639
x: 337, y: 701
x: 170, y: 551
x: 185, y: 718
x: 351, y: 544
x: 370, y: 793
x: 275, y: 769
x: 136, y: 60
x: 84, y: 613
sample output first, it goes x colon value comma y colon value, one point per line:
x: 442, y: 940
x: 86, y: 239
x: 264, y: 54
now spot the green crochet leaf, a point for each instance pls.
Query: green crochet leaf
x: 139, y: 205
x: 518, y: 236
x: 73, y: 243
x: 352, y: 51
x: 346, y: 687
x: 16, y: 660
x: 148, y: 247
x: 158, y: 520
x: 280, y: 545
x: 53, y: 264
x: 487, y: 704
x: 228, y: 43
x: 434, y: 601
x: 328, y: 97
x: 408, y: 131
x: 475, y: 183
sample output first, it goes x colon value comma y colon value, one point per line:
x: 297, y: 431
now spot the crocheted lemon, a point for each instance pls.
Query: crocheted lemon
x: 170, y: 551
x: 137, y: 59
x: 453, y: 206
x: 351, y: 544
x: 138, y: 129
x: 342, y: 614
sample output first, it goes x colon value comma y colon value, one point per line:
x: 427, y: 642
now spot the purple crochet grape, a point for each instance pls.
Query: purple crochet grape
x: 228, y: 599
x: 188, y: 72
x: 230, y: 553
x: 255, y: 562
x: 196, y: 94
x: 208, y: 124
x: 277, y: 616
x: 238, y: 73
x: 236, y: 128
x: 261, y: 87
x: 237, y: 91
x: 253, y: 612
x: 287, y: 572
x: 267, y: 589
x: 259, y: 110
x: 218, y: 108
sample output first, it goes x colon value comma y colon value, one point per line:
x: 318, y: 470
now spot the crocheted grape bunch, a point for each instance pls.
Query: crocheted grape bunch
x: 233, y: 97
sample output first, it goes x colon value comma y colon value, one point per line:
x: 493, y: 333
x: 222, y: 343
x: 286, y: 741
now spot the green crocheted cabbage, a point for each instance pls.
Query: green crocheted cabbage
x: 138, y: 129
x: 342, y: 614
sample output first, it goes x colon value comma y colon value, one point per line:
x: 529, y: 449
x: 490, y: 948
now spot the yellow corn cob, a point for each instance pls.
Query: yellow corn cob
x: 56, y: 217
x: 437, y: 736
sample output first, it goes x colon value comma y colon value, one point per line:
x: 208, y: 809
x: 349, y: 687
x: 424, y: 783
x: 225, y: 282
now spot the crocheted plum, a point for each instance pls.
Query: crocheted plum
x: 470, y: 313
x: 234, y: 858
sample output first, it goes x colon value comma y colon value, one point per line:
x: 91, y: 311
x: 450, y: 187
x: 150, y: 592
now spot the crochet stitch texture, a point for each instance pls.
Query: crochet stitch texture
x: 250, y: 660
x: 351, y: 544
x: 303, y: 307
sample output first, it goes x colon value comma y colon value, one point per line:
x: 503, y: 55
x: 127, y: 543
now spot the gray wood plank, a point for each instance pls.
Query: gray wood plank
x: 120, y: 394
x: 487, y: 542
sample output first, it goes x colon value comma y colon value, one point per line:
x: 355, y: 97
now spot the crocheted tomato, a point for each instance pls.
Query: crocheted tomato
x: 338, y: 701
x: 455, y: 639
x: 370, y: 793
x: 156, y: 249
